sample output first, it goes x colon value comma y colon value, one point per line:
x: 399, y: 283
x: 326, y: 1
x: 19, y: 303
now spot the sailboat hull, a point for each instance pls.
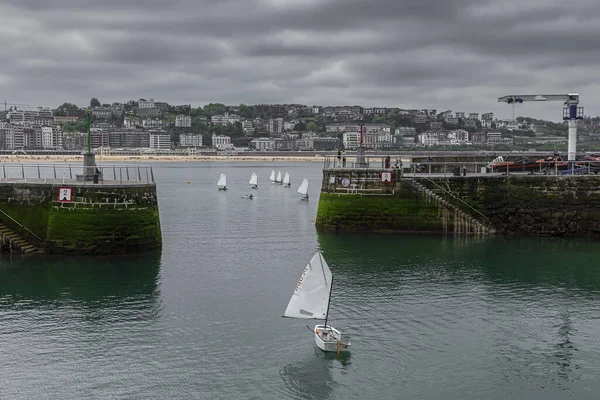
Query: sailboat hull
x: 330, y: 339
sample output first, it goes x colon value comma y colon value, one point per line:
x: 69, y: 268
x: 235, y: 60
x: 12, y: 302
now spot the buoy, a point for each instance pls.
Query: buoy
x: 188, y: 182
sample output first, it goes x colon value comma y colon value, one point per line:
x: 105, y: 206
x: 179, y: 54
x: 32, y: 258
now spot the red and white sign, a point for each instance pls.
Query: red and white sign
x: 64, y: 194
x: 385, y: 176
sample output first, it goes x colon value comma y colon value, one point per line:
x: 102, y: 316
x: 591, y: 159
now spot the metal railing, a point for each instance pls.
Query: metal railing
x: 57, y: 173
x: 454, y: 168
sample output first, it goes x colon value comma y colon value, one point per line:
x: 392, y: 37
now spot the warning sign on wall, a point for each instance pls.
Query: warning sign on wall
x: 385, y: 176
x: 64, y: 194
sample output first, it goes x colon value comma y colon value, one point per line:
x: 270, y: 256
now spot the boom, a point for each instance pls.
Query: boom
x: 571, y: 112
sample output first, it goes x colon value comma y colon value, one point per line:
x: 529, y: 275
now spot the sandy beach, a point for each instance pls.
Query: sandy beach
x: 111, y: 159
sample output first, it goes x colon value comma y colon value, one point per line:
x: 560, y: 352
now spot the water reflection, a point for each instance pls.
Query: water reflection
x: 128, y: 283
x: 310, y: 378
x: 570, y: 263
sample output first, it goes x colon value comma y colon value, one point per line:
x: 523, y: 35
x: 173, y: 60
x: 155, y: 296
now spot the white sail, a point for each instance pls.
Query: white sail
x: 311, y: 297
x: 303, y: 189
x: 278, y: 176
x: 254, y: 179
x: 272, y: 177
x: 286, y: 178
x: 222, y: 180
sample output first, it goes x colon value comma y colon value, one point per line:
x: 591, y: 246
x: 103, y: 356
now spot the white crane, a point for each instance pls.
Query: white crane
x: 571, y: 113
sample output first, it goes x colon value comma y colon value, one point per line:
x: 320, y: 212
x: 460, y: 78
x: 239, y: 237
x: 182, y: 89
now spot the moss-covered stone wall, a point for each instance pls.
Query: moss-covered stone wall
x: 514, y: 205
x: 528, y: 204
x: 100, y: 219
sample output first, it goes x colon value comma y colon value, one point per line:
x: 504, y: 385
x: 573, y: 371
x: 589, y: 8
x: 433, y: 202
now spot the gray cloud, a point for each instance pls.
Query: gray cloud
x: 444, y: 54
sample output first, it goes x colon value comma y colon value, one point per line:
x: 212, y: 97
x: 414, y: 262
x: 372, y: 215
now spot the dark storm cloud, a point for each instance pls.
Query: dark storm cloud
x: 444, y: 54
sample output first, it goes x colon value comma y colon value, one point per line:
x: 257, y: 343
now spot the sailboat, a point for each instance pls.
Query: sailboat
x: 286, y: 180
x: 272, y: 177
x: 279, y: 177
x: 311, y: 299
x: 222, y: 183
x: 303, y: 189
x: 254, y: 181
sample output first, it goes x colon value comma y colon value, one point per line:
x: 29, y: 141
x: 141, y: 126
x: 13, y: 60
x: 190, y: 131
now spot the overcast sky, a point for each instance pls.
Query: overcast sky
x: 444, y: 54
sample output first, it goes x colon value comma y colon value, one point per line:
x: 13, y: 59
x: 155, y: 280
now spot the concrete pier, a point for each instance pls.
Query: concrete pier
x: 54, y: 209
x: 394, y: 200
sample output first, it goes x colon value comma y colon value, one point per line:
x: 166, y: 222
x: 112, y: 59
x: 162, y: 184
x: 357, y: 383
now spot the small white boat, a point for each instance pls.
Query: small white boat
x: 254, y: 181
x: 311, y: 299
x: 279, y: 177
x: 272, y: 177
x: 286, y: 180
x: 222, y: 183
x: 303, y: 189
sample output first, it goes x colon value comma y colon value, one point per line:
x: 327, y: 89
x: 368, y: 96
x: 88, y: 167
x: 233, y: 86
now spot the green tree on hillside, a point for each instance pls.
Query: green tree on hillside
x: 94, y: 102
x: 311, y: 126
x: 246, y: 111
x: 214, y: 109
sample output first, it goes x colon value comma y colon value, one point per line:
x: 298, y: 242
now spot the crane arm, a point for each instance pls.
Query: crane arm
x: 571, y: 98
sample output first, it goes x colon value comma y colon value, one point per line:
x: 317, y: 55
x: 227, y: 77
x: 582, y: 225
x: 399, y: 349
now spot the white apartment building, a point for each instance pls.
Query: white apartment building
x: 460, y: 114
x: 351, y: 140
x: 276, y: 126
x: 146, y: 103
x: 289, y: 126
x: 160, y: 141
x: 221, y: 142
x: 47, y: 137
x: 131, y: 122
x: 183, y: 121
x: 263, y: 144
x: 406, y: 131
x: 151, y: 122
x: 247, y: 127
x: 190, y: 140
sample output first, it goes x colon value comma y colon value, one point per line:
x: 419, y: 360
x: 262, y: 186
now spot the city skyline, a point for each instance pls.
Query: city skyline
x: 459, y: 54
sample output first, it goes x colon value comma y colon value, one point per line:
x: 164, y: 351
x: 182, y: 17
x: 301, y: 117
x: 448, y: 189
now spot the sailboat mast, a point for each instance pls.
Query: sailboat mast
x: 329, y: 301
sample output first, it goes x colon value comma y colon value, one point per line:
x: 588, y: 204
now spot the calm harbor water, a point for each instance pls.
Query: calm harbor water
x: 430, y: 316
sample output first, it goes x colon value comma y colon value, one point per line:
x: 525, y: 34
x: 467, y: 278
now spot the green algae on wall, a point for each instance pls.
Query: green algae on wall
x: 357, y: 212
x: 100, y: 219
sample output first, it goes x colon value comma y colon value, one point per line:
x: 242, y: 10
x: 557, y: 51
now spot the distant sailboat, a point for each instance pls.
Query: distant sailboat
x: 286, y: 180
x: 222, y: 183
x: 311, y: 299
x: 272, y: 177
x: 303, y: 189
x: 279, y: 177
x: 254, y: 181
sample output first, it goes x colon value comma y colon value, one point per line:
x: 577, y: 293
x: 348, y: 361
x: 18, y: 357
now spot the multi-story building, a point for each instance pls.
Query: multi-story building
x: 131, y: 122
x: 47, y: 137
x: 128, y: 139
x: 263, y: 144
x: 276, y: 126
x: 190, y: 140
x: 221, y: 142
x: 183, y: 121
x: 159, y: 141
x: 247, y: 127
x: 367, y: 128
x: 406, y: 131
x: 101, y: 113
x: 60, y: 120
x: 146, y: 103
x: 473, y: 115
x: 460, y: 114
x: 151, y: 123
x: 351, y: 140
x: 325, y: 143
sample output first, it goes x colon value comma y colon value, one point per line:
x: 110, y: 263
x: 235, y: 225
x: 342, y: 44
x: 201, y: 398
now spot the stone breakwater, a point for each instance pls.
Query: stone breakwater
x: 357, y: 200
x: 98, y: 219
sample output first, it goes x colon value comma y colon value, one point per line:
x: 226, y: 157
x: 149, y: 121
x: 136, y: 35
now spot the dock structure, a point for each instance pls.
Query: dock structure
x: 78, y: 208
x: 397, y: 195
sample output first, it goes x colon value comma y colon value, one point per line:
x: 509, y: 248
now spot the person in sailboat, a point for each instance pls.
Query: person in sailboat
x: 251, y: 196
